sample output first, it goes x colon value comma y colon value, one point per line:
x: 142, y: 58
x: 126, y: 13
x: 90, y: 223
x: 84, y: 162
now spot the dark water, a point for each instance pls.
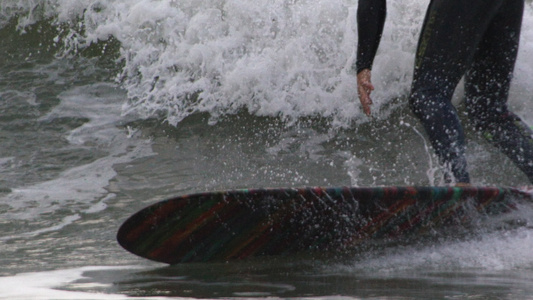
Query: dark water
x: 76, y: 161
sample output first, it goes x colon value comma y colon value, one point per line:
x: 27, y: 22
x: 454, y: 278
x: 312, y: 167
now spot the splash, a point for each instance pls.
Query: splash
x: 492, y: 252
x: 290, y: 59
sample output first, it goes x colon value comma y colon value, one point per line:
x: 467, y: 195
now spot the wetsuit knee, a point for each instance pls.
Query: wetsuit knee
x: 423, y: 106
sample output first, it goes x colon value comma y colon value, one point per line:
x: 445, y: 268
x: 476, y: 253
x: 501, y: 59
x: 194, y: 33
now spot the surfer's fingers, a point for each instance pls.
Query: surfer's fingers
x: 364, y: 89
x: 366, y: 102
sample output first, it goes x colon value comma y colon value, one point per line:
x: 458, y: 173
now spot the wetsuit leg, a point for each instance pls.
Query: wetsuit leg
x: 449, y: 39
x: 487, y: 87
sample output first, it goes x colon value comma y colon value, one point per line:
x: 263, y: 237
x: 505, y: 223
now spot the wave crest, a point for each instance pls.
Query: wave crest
x: 290, y: 59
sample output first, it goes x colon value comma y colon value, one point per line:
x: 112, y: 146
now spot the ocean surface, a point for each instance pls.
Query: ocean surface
x: 109, y: 106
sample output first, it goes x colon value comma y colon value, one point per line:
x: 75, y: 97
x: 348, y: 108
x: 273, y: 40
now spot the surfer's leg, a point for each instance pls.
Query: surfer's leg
x: 431, y: 103
x: 434, y: 82
x: 441, y: 123
x: 487, y: 88
x: 451, y: 32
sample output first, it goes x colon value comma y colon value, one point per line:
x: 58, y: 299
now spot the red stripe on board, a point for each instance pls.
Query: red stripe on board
x: 167, y: 247
x: 151, y: 220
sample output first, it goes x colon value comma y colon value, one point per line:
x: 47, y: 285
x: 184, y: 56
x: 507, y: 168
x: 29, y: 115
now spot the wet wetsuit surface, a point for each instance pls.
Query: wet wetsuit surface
x: 475, y: 38
x: 370, y: 19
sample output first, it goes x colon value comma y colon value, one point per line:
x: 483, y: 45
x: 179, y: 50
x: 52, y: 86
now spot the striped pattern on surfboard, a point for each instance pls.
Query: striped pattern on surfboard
x: 242, y: 223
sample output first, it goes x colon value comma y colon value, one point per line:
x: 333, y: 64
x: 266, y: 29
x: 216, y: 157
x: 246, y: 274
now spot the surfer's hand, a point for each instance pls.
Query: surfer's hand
x: 364, y: 88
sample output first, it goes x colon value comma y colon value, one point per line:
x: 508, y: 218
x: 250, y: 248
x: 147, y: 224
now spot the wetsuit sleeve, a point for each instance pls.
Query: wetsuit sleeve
x: 370, y: 21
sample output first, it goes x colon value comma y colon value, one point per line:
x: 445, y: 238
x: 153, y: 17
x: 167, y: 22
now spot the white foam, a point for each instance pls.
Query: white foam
x: 82, y: 187
x: 51, y: 286
x: 500, y: 251
x: 521, y: 94
x: 64, y: 222
x: 275, y: 58
x: 6, y: 162
x: 46, y: 286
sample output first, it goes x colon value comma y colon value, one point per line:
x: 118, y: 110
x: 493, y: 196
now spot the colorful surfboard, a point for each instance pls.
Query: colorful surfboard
x: 228, y: 225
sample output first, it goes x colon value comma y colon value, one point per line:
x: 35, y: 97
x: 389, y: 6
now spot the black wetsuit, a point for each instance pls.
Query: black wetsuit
x: 477, y: 39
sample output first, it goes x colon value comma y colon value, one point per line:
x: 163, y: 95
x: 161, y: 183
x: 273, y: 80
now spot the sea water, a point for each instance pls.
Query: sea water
x: 109, y: 106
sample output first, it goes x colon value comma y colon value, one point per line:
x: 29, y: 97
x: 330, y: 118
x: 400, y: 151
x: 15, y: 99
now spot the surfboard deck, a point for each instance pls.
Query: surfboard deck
x: 226, y: 225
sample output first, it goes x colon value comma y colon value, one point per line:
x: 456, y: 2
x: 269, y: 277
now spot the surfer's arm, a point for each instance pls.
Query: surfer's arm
x: 370, y: 21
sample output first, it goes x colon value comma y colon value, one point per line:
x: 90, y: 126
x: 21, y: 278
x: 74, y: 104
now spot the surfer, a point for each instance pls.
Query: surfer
x: 477, y: 39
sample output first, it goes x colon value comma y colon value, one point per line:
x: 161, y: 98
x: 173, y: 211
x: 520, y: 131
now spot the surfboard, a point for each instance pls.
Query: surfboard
x: 237, y: 224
